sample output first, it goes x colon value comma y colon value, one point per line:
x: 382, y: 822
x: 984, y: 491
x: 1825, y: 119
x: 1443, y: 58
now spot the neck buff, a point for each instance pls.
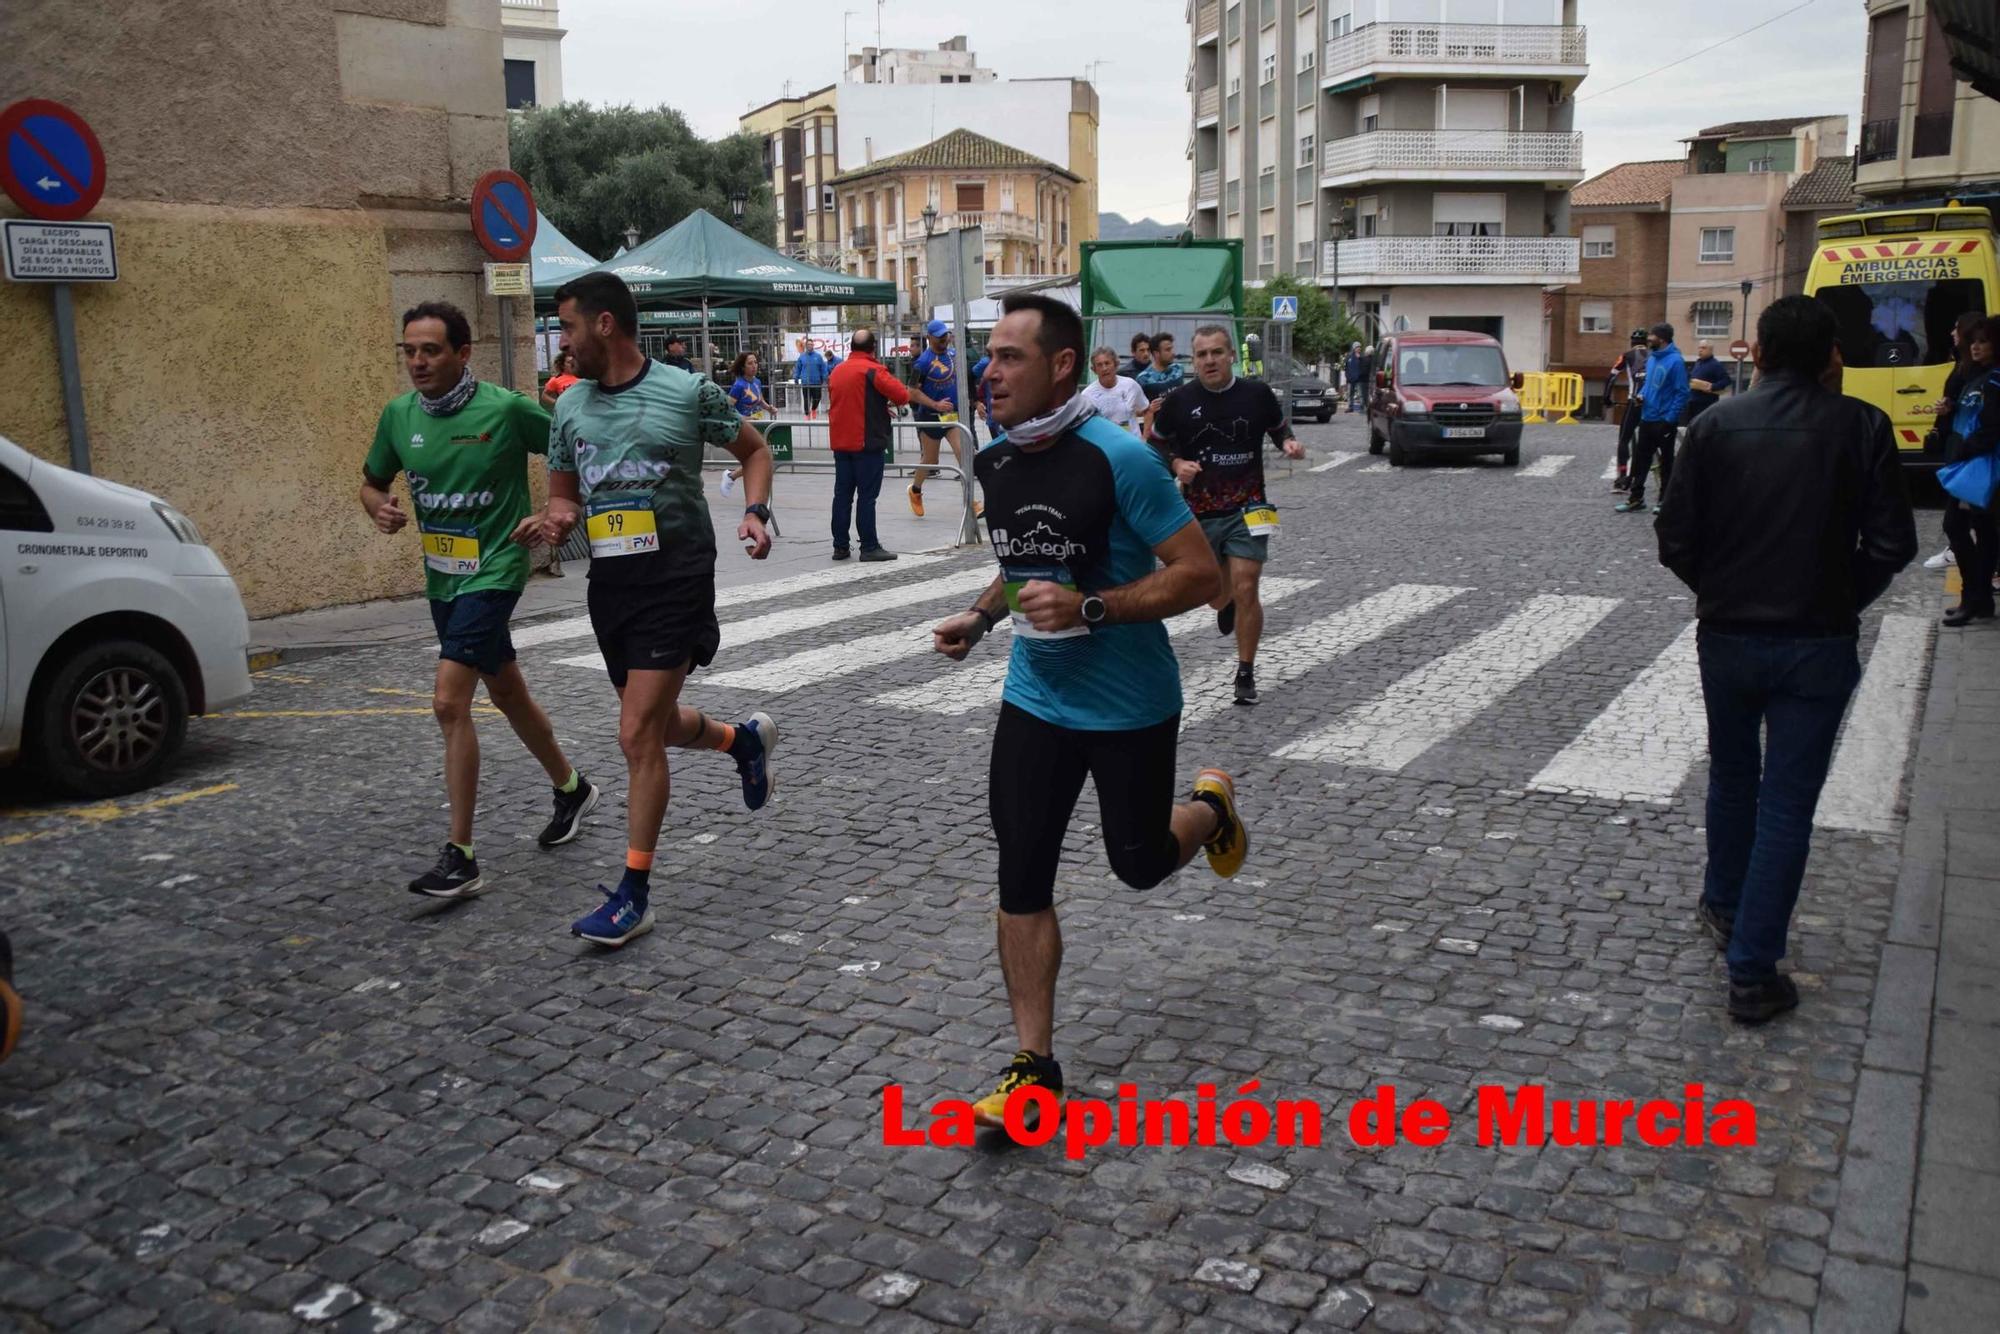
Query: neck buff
x: 1049, y: 425
x: 452, y: 399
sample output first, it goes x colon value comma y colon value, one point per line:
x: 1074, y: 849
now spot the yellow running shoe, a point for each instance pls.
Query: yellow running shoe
x: 1231, y: 844
x: 916, y: 502
x: 1026, y: 1069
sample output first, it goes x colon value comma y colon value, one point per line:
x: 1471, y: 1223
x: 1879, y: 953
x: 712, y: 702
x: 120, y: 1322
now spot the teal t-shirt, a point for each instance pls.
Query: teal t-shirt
x: 468, y: 479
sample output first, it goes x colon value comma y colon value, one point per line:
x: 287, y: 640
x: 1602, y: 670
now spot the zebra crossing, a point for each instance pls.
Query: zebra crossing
x: 1546, y: 466
x: 1641, y: 746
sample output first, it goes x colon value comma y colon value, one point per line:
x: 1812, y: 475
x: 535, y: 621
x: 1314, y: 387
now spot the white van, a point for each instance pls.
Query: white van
x: 116, y: 623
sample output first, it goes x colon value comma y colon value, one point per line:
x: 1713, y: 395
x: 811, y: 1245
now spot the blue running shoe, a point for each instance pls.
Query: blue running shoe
x: 616, y: 920
x: 756, y: 743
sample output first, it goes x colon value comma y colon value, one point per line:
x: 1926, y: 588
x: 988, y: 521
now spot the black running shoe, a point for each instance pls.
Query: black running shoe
x: 456, y: 876
x: 756, y: 744
x: 1225, y: 620
x: 1720, y: 927
x: 1621, y: 483
x: 1757, y: 1002
x: 571, y: 807
x: 1246, y: 683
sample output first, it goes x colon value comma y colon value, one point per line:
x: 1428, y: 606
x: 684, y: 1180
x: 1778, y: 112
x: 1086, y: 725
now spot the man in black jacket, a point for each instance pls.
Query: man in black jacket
x: 1787, y: 515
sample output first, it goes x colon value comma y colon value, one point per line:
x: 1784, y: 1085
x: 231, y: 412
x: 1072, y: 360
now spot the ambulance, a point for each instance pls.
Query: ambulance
x: 1897, y: 281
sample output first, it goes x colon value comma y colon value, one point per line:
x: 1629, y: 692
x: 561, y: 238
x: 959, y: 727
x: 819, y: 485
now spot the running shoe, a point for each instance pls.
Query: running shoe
x: 1943, y: 560
x: 10, y: 1001
x: 1621, y: 484
x: 571, y: 807
x: 456, y: 876
x: 756, y: 742
x: 617, y: 920
x: 1630, y: 506
x: 1246, y: 683
x: 1756, y: 1002
x: 728, y: 484
x: 1225, y: 620
x: 1231, y: 844
x: 1026, y: 1069
x: 917, y: 501
x: 1720, y: 926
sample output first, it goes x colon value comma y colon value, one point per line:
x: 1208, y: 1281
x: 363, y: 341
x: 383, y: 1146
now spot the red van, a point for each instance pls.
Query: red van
x: 1443, y: 393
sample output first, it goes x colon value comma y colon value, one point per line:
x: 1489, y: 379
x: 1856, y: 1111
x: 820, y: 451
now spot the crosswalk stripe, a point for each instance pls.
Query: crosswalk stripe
x: 771, y: 625
x: 1297, y: 652
x: 1378, y: 467
x: 578, y: 627
x: 1866, y: 782
x: 1548, y: 465
x: 1643, y: 744
x: 1335, y: 459
x: 1442, y: 696
x: 961, y: 690
x: 1610, y: 473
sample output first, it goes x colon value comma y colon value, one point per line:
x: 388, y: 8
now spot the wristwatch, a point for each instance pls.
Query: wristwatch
x: 986, y: 616
x: 763, y: 512
x: 1093, y: 610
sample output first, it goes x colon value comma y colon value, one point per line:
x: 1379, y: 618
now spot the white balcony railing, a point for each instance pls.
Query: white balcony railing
x: 1549, y: 259
x: 1017, y: 226
x: 1208, y: 187
x: 1452, y: 46
x: 1208, y: 104
x: 1418, y: 153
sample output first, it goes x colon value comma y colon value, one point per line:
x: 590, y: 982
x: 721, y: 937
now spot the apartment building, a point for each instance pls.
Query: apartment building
x: 1927, y: 132
x: 800, y: 143
x: 1824, y: 192
x: 950, y: 62
x: 1023, y: 203
x: 1413, y: 155
x: 1622, y: 222
x: 1729, y: 253
x: 531, y: 34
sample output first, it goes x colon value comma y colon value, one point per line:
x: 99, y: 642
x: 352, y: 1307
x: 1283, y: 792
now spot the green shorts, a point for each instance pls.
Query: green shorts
x: 1228, y: 535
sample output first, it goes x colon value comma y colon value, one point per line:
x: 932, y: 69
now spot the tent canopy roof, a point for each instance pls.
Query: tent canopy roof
x: 703, y: 256
x: 556, y: 259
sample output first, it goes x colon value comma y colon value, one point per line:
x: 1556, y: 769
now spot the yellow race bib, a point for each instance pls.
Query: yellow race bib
x: 450, y: 552
x: 1261, y: 520
x: 622, y: 532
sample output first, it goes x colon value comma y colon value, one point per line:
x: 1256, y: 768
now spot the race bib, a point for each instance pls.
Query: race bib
x: 621, y: 526
x: 1017, y: 577
x: 451, y: 550
x: 1261, y: 520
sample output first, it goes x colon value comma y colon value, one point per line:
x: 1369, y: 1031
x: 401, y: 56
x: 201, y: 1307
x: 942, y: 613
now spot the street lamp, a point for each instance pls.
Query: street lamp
x: 631, y: 236
x: 737, y: 199
x: 930, y: 217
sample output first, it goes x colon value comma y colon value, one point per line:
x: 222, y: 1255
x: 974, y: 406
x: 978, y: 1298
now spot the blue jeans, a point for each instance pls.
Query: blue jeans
x: 857, y: 481
x: 1774, y: 706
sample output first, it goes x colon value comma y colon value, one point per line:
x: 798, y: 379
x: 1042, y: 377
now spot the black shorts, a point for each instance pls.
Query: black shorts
x: 1033, y: 782
x: 655, y: 627
x: 472, y: 628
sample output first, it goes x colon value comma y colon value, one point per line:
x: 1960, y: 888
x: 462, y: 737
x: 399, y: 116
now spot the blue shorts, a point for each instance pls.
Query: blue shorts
x: 472, y: 629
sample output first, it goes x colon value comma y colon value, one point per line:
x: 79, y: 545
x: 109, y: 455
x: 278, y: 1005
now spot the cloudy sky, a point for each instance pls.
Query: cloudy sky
x: 713, y: 61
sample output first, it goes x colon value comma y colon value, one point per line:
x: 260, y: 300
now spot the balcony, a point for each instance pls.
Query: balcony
x: 1878, y: 141
x: 999, y: 226
x: 1504, y: 49
x: 1452, y: 155
x: 1208, y: 103
x: 1930, y: 136
x: 1207, y: 188
x: 1402, y: 260
x: 1207, y: 22
x: 863, y: 238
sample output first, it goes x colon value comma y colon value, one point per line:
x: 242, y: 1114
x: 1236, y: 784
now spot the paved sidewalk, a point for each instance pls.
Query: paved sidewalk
x: 1914, y: 1242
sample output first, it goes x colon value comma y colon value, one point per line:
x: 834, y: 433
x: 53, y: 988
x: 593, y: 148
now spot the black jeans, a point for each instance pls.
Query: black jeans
x: 1628, y: 426
x: 857, y: 481
x: 1774, y: 707
x: 1971, y: 534
x: 1653, y: 437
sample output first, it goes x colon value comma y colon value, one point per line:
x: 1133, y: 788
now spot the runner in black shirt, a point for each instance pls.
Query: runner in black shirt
x: 1212, y: 428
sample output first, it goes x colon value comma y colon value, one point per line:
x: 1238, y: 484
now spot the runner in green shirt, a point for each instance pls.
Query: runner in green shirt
x: 463, y: 448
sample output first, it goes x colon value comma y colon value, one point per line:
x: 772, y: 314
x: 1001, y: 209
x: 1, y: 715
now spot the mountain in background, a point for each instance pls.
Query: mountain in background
x: 1113, y: 227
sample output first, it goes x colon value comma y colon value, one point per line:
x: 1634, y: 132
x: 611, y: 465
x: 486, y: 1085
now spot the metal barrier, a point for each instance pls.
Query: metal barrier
x: 787, y: 437
x: 1550, y: 391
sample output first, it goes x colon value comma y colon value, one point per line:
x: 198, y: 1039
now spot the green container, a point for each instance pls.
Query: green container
x: 779, y: 438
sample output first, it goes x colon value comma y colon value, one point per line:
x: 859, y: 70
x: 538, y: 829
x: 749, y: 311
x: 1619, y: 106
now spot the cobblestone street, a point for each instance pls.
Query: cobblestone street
x: 263, y: 1087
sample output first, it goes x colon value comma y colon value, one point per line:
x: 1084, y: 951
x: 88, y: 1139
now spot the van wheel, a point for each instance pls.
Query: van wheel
x: 1512, y: 458
x: 1398, y: 456
x: 112, y: 719
x: 1375, y: 442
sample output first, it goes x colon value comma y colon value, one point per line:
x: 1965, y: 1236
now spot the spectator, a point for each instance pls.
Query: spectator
x: 1786, y: 516
x: 1117, y: 398
x: 860, y: 394
x: 812, y: 370
x: 1666, y: 397
x: 1628, y: 373
x: 562, y: 374
x: 1142, y: 356
x: 747, y: 391
x: 936, y: 372
x: 1975, y: 431
x: 1938, y: 440
x: 677, y: 353
x: 1708, y: 380
x: 1351, y: 368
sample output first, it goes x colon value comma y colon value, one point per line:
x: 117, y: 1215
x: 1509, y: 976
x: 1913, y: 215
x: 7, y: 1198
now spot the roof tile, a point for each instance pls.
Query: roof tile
x: 959, y: 150
x: 1629, y: 185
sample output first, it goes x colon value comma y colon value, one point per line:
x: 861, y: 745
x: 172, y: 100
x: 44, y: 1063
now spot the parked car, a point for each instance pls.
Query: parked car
x: 1443, y: 393
x: 1309, y: 395
x: 118, y: 623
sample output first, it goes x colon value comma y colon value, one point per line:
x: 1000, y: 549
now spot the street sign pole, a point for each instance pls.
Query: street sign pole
x: 72, y: 377
x: 960, y: 254
x: 506, y: 341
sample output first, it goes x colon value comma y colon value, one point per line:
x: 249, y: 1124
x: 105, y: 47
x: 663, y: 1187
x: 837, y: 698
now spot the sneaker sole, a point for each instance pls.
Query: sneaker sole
x: 767, y: 732
x: 576, y: 825
x: 10, y: 1019
x: 471, y: 889
x: 1226, y: 864
x: 613, y: 942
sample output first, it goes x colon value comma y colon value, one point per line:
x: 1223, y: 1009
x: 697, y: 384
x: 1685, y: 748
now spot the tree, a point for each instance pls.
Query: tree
x: 598, y: 170
x: 1319, y: 335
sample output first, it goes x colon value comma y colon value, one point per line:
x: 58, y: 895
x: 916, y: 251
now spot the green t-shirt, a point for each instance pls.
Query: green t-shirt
x: 636, y: 450
x: 468, y: 476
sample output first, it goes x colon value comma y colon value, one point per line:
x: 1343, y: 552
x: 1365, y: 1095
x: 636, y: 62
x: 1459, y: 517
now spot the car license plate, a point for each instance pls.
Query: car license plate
x: 1465, y: 432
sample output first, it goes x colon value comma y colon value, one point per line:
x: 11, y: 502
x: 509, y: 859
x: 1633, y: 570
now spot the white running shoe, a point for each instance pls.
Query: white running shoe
x: 1941, y: 560
x: 728, y: 483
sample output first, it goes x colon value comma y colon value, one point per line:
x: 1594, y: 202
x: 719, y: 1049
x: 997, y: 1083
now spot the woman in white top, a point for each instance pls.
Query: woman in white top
x: 1117, y: 398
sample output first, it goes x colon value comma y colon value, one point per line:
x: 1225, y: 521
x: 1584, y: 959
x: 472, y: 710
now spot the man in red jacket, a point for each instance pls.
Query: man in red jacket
x: 860, y: 394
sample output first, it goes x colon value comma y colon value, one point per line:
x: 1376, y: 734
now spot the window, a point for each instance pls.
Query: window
x: 1760, y: 164
x: 1718, y: 245
x: 1305, y: 150
x: 1594, y: 317
x: 778, y: 151
x: 1308, y: 60
x: 1370, y: 113
x: 1882, y: 90
x: 520, y: 76
x: 1468, y: 215
x: 826, y: 198
x: 1267, y: 248
x: 1600, y: 241
x: 20, y: 509
x: 969, y: 197
x: 1904, y: 323
x: 1367, y: 216
x: 812, y: 141
x: 1235, y: 84
x: 1268, y: 71
x: 1306, y: 251
x: 1339, y: 19
x: 1937, y: 89
x: 1712, y: 318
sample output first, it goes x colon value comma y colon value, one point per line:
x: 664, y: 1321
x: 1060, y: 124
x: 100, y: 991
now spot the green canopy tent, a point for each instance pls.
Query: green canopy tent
x: 554, y: 260
x: 701, y: 261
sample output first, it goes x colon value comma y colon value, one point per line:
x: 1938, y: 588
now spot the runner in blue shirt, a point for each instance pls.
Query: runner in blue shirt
x: 812, y: 370
x: 748, y: 391
x: 936, y: 371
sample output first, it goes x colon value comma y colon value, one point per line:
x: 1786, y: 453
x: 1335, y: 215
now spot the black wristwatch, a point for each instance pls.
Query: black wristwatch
x: 1092, y: 610
x: 986, y: 616
x: 763, y: 512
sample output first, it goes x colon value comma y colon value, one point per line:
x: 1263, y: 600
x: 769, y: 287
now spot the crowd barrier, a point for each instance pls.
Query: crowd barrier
x: 1548, y: 392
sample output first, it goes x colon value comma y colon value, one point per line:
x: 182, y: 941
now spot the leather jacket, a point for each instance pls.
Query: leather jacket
x: 1787, y: 512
